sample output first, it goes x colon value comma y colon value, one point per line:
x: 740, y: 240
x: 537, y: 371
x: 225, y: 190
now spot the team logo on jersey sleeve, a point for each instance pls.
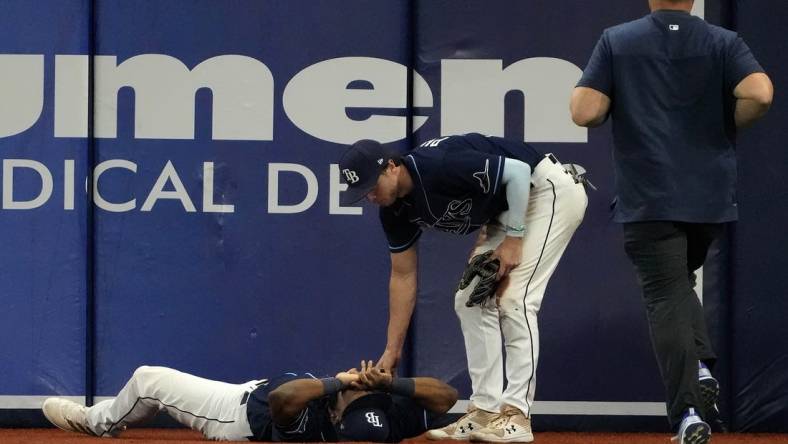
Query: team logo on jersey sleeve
x: 483, y: 177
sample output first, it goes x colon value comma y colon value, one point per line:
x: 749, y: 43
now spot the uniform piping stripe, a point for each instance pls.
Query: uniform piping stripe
x: 498, y: 175
x: 423, y: 190
x: 525, y: 312
x: 140, y: 398
x: 297, y: 426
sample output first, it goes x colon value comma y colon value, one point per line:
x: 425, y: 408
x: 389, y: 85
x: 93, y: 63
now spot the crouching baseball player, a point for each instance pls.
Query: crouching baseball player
x: 365, y: 405
x: 529, y: 205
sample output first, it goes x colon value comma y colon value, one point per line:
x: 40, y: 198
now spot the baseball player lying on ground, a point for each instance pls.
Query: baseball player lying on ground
x: 356, y: 405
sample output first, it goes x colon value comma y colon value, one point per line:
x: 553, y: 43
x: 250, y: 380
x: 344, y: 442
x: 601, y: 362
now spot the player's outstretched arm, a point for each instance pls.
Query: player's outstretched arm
x: 402, y: 299
x: 434, y: 394
x: 289, y: 399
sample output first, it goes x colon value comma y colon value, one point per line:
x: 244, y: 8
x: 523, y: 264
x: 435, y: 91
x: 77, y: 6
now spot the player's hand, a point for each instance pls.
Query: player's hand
x: 355, y: 384
x: 509, y: 254
x: 373, y: 378
x: 347, y: 378
x: 388, y: 361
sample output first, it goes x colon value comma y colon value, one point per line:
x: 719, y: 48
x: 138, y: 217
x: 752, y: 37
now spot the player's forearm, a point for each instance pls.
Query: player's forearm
x: 749, y: 110
x: 434, y: 394
x: 290, y: 398
x: 517, y: 178
x: 402, y: 300
x: 589, y: 107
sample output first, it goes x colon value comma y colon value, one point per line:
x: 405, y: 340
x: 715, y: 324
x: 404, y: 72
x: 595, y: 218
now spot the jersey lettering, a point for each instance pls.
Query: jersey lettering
x: 432, y: 143
x: 457, y: 217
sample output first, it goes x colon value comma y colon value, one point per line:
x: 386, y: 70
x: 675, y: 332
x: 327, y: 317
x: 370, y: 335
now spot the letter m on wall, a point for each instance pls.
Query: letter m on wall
x: 164, y: 91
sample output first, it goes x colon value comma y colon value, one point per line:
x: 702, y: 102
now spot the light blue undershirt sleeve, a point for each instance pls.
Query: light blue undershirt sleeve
x: 517, y: 178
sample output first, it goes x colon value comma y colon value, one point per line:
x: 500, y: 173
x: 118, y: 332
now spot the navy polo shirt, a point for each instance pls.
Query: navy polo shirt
x: 670, y: 77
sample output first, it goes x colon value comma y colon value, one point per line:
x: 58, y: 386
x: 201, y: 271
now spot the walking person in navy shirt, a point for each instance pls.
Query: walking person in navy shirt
x: 677, y: 89
x: 528, y: 206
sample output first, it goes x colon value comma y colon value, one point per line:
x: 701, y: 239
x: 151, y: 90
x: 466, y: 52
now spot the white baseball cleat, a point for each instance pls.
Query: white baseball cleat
x: 511, y: 426
x: 67, y: 415
x: 475, y: 419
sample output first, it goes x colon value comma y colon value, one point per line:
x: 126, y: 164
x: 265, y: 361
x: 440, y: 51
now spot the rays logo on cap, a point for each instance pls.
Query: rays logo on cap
x: 373, y: 419
x: 350, y: 175
x: 360, y: 167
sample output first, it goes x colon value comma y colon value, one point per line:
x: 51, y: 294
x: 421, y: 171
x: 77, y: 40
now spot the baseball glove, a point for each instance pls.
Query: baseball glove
x: 486, y: 269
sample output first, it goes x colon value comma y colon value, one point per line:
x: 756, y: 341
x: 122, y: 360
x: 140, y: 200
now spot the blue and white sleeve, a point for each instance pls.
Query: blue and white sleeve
x: 517, y: 179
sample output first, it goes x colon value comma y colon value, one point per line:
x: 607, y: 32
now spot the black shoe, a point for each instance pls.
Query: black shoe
x: 709, y: 396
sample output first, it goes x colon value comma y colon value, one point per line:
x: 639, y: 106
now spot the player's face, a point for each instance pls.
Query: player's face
x: 343, y: 399
x: 385, y: 192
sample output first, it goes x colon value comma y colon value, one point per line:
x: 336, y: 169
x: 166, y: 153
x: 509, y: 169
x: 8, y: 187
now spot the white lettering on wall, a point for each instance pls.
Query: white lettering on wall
x: 164, y: 91
x: 273, y: 188
x: 71, y: 96
x: 9, y: 202
x: 316, y: 99
x: 21, y: 92
x: 208, y: 205
x: 99, y: 199
x: 168, y: 174
x: 319, y: 99
x: 473, y: 91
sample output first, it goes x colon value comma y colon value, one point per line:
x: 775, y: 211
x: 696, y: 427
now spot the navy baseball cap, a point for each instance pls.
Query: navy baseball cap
x: 360, y: 168
x: 365, y: 419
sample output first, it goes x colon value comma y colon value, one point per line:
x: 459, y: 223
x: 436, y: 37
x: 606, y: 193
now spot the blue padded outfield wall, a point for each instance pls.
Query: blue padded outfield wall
x: 170, y: 197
